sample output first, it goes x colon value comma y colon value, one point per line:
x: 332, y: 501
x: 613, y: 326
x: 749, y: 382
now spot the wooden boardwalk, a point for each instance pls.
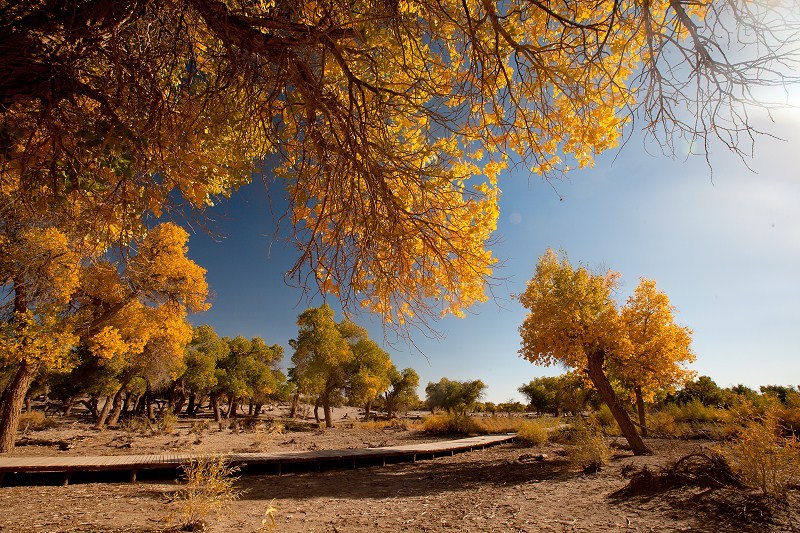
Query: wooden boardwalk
x: 275, y: 462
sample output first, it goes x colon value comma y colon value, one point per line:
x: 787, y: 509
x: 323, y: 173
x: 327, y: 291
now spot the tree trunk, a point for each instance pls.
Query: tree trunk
x: 316, y: 410
x: 295, y: 402
x: 257, y: 409
x: 179, y: 403
x: 116, y: 408
x: 215, y: 408
x: 367, y: 409
x: 326, y: 408
x: 389, y: 406
x: 190, y: 409
x: 606, y: 391
x: 640, y: 409
x: 103, y: 416
x: 12, y: 404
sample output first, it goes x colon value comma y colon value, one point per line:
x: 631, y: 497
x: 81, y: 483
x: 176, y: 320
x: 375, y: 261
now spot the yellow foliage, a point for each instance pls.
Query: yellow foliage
x: 571, y: 314
x: 659, y: 346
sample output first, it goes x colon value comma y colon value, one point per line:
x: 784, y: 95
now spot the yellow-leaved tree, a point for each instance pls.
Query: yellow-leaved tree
x: 115, y: 308
x: 573, y: 320
x: 659, y: 348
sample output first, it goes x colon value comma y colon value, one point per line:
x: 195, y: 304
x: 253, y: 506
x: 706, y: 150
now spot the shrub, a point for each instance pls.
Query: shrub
x: 450, y: 425
x: 266, y: 433
x: 532, y: 433
x: 498, y: 424
x: 764, y: 459
x: 209, y: 488
x: 695, y: 411
x: 663, y: 422
x: 589, y: 451
x: 375, y: 424
x: 167, y: 422
x: 35, y: 421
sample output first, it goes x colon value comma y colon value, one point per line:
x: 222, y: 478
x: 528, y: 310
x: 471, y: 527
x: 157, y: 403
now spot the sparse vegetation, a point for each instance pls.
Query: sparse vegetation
x: 763, y: 457
x: 532, y: 433
x: 588, y: 450
x: 208, y: 490
x: 35, y: 421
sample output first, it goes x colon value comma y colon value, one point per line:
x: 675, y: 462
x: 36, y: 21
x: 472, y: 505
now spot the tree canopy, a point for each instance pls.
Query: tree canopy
x: 388, y: 122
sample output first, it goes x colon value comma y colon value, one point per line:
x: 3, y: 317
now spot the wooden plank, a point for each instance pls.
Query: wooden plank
x: 137, y: 462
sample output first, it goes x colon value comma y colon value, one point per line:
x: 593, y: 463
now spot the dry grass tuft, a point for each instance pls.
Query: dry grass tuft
x: 208, y: 490
x: 532, y: 433
x: 589, y: 451
x: 35, y: 421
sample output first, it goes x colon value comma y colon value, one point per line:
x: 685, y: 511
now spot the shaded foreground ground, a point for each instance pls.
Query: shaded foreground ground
x: 497, y: 489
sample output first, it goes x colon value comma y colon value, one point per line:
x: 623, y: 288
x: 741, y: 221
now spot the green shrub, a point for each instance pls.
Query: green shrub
x: 663, y: 422
x: 695, y: 412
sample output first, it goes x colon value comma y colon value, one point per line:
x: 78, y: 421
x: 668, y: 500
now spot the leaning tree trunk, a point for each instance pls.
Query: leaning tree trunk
x: 603, y: 386
x: 640, y: 409
x: 13, y: 399
x: 103, y: 416
x: 116, y: 408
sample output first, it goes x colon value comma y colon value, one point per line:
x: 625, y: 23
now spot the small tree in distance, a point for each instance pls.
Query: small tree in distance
x: 454, y: 396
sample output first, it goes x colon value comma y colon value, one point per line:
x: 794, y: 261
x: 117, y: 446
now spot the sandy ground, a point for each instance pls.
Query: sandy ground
x: 497, y: 489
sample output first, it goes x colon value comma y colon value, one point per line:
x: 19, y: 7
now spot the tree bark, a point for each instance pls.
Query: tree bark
x: 295, y: 403
x: 190, y: 409
x: 13, y: 400
x: 116, y: 408
x: 215, y: 408
x: 179, y: 403
x: 637, y: 391
x: 606, y: 391
x: 103, y: 415
x: 316, y: 410
x: 326, y: 408
x: 367, y: 409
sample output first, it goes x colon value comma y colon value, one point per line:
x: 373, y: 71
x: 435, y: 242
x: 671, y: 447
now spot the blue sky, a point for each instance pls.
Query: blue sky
x: 725, y: 248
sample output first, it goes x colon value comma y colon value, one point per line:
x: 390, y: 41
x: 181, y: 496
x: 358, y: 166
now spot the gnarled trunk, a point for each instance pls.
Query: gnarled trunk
x: 11, y: 408
x: 606, y: 391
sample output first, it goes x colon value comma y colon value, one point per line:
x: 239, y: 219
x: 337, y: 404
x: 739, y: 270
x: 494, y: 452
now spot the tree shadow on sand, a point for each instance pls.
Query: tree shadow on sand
x: 406, y: 480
